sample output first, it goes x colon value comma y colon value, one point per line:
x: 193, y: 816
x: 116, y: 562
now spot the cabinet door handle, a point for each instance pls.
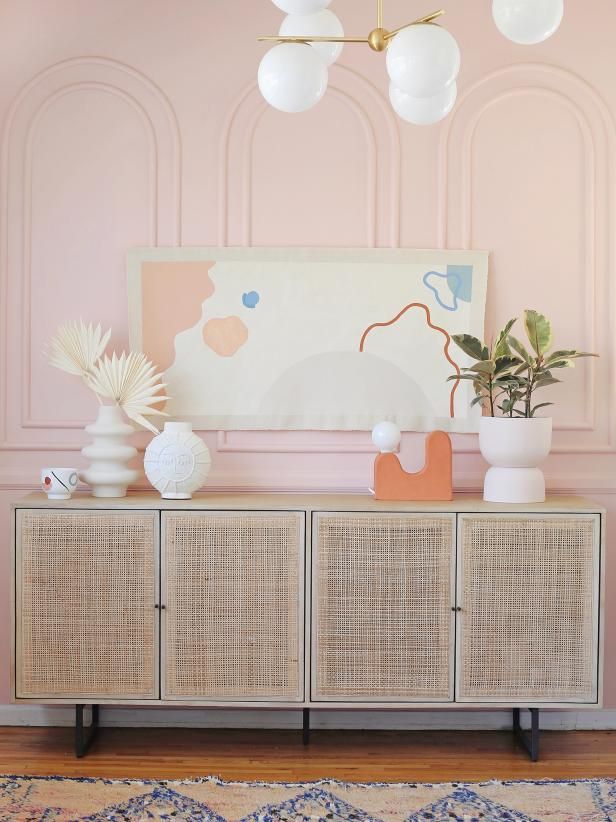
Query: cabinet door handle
x: 162, y: 607
x: 456, y: 608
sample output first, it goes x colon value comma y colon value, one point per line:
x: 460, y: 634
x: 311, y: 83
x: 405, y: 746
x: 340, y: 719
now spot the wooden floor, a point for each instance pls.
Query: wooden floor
x: 360, y: 756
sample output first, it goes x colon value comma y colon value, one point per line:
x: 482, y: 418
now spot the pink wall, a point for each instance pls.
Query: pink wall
x: 137, y: 122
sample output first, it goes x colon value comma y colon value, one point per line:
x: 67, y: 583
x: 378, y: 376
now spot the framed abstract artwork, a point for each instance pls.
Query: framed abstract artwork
x: 300, y: 339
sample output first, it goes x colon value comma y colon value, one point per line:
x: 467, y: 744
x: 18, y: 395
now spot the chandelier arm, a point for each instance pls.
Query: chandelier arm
x: 283, y: 39
x: 379, y: 14
x: 429, y: 18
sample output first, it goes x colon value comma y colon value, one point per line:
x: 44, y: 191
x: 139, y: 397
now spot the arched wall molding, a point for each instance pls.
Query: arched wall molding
x: 381, y: 137
x: 371, y: 195
x: 379, y: 130
x: 455, y: 217
x: 163, y: 144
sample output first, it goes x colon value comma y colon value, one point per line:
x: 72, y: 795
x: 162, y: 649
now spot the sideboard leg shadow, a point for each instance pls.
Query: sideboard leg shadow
x: 84, y: 736
x: 306, y: 726
x: 529, y: 741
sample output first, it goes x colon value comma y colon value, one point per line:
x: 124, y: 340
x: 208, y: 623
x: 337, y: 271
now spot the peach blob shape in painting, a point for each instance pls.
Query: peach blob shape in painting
x: 225, y: 335
x: 172, y: 295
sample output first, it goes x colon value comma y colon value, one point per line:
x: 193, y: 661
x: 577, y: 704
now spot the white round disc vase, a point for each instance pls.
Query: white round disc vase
x: 515, y: 448
x: 109, y: 453
x: 177, y: 462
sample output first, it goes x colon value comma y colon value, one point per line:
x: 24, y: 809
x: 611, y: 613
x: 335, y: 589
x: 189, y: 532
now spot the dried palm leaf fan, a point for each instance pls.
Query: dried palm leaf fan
x: 423, y: 61
x: 130, y: 380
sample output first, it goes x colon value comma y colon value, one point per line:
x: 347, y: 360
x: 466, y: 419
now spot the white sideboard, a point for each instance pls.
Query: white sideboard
x: 308, y: 602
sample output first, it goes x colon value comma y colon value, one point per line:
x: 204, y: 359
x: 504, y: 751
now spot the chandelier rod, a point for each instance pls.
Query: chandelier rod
x: 429, y: 18
x: 277, y: 38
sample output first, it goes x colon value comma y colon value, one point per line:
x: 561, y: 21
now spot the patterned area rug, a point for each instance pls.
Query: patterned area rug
x: 29, y: 799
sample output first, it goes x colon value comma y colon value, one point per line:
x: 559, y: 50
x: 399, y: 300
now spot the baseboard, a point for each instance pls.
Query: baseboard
x: 58, y: 716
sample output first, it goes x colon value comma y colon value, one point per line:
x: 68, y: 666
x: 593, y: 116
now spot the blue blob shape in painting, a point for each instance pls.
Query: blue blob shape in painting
x: 250, y: 299
x: 440, y: 286
x: 460, y: 281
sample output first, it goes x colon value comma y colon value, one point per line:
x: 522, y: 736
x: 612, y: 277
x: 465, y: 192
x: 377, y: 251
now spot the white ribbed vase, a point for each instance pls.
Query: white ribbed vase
x: 177, y: 461
x: 109, y: 453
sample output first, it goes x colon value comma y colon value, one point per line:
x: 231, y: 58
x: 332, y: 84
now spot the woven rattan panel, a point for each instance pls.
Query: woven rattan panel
x: 383, y: 607
x: 85, y: 604
x: 528, y: 624
x: 233, y: 620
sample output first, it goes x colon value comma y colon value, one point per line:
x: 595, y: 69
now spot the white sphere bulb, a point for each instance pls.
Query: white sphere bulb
x: 292, y: 77
x: 423, y: 59
x: 322, y: 23
x: 423, y: 111
x: 527, y: 21
x: 301, y: 6
x: 386, y: 437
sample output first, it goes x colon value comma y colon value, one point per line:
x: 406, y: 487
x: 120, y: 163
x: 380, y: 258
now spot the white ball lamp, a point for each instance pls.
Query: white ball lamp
x: 292, y: 77
x: 386, y: 437
x: 423, y: 59
x: 301, y: 6
x: 423, y: 111
x: 527, y: 22
x: 322, y: 23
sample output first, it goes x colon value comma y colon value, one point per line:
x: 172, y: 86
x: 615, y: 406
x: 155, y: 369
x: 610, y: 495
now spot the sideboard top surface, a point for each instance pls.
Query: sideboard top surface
x: 462, y: 503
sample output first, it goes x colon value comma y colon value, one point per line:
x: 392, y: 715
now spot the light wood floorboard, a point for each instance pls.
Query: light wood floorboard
x: 360, y: 756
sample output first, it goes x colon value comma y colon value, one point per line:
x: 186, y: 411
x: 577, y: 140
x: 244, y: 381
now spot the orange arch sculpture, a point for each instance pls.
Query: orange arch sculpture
x: 430, y: 324
x: 432, y: 483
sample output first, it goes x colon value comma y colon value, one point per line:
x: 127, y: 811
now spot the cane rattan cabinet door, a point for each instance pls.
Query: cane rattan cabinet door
x: 86, y: 587
x: 529, y: 591
x: 233, y: 594
x: 383, y: 591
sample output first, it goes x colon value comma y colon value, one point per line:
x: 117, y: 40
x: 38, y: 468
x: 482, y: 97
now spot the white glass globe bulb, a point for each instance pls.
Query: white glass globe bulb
x: 386, y: 437
x: 423, y: 59
x: 527, y: 21
x: 292, y: 77
x: 423, y: 111
x: 301, y: 6
x: 322, y: 23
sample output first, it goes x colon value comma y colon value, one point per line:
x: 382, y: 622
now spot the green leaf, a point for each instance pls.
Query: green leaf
x: 483, y: 367
x: 471, y: 346
x: 567, y: 355
x: 521, y: 350
x: 539, y: 331
x: 562, y: 364
x: 479, y: 398
x: 541, y: 405
x: 544, y: 381
x: 501, y: 349
x: 506, y: 363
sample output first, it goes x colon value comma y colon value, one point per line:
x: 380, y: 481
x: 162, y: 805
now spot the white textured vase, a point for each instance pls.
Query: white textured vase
x: 515, y: 448
x: 177, y: 461
x: 109, y: 453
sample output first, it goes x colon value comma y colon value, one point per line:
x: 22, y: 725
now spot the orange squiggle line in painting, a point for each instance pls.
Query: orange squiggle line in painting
x: 436, y: 328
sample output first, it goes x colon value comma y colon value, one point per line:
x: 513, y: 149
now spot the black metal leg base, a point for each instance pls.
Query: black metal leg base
x: 529, y: 741
x: 306, y: 726
x: 84, y: 735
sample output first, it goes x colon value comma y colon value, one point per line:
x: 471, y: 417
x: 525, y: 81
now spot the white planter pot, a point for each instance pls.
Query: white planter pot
x: 108, y: 475
x: 177, y: 462
x: 515, y: 448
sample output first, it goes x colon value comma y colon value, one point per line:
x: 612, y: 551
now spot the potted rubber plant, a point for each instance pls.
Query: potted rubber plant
x: 508, y: 377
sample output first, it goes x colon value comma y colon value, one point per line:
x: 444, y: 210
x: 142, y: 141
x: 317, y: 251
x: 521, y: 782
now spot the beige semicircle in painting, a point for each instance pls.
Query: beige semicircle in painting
x: 225, y: 335
x: 172, y: 295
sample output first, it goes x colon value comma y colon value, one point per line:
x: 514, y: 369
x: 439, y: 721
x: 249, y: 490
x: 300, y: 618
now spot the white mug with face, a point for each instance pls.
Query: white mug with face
x: 59, y: 483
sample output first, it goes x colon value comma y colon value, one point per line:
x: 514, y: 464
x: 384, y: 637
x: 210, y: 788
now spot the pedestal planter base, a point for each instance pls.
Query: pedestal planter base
x: 515, y: 485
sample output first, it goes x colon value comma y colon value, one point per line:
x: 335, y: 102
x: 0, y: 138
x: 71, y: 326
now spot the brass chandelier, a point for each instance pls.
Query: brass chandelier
x: 423, y: 59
